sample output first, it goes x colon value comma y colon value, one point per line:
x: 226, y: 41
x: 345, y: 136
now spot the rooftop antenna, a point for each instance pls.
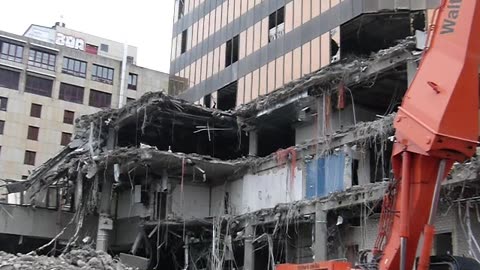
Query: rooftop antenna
x: 60, y: 22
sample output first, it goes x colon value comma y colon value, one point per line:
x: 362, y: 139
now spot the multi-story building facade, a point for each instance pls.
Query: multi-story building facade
x: 49, y: 77
x: 233, y: 51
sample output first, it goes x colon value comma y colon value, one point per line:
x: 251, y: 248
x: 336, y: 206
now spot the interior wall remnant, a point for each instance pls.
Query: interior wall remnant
x: 193, y: 203
x: 263, y: 190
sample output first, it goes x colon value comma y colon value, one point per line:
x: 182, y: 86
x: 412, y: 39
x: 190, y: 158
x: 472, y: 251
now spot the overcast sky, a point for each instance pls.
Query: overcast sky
x: 146, y: 24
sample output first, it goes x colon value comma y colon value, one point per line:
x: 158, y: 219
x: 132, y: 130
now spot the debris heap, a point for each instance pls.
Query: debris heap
x: 85, y: 258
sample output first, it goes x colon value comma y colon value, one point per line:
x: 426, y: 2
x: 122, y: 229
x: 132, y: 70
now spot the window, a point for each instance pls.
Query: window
x: 181, y: 8
x: 68, y: 117
x: 2, y: 126
x: 276, y: 24
x: 32, y: 133
x: 66, y: 137
x: 36, y: 110
x: 74, y: 67
x: 104, y: 47
x: 102, y: 74
x: 130, y: 100
x: 184, y: 41
x: 92, y: 49
x: 11, y: 52
x: 227, y: 97
x: 3, y: 103
x: 9, y: 79
x: 39, y: 86
x: 71, y: 93
x: 99, y: 99
x: 42, y: 59
x: 207, y: 101
x: 132, y: 81
x: 231, y: 53
x: 29, y: 158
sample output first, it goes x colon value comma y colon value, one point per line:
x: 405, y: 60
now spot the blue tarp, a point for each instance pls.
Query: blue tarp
x: 325, y: 175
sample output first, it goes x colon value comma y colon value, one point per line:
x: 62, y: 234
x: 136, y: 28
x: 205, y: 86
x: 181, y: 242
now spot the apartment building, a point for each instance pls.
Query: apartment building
x: 233, y: 51
x: 50, y: 76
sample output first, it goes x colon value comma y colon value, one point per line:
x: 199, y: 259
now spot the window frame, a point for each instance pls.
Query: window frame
x: 42, y: 59
x: 10, y: 83
x: 3, y: 104
x: 183, y: 45
x: 232, y: 51
x: 32, y: 133
x: 132, y: 81
x: 66, y: 90
x: 2, y: 127
x: 32, y: 110
x: 99, y: 75
x: 63, y: 139
x: 30, y: 158
x: 95, y: 103
x: 277, y: 24
x: 35, y: 87
x: 6, y: 54
x: 66, y: 117
x: 73, y: 71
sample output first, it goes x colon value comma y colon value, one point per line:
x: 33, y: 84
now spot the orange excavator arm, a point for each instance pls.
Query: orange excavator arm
x: 436, y: 125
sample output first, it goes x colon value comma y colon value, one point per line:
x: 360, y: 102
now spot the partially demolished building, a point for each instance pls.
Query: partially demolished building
x: 295, y: 176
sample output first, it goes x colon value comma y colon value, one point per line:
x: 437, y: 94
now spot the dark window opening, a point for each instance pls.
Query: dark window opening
x: 74, y: 67
x: 9, y: 79
x: 275, y: 138
x: 132, y: 81
x: 355, y: 166
x: 36, y: 110
x: 232, y: 51
x: 32, y: 133
x: 71, y: 93
x: 130, y: 100
x: 2, y: 126
x: 11, y: 52
x: 66, y: 138
x: 100, y: 99
x: 372, y: 32
x: 160, y: 205
x: 68, y: 117
x: 380, y: 161
x: 102, y: 74
x: 39, y: 86
x: 207, y: 101
x: 104, y: 47
x: 42, y: 59
x: 226, y: 202
x: 29, y: 158
x: 181, y: 8
x: 227, y: 97
x: 276, y: 24
x: 183, y: 47
x: 3, y: 103
x: 443, y: 244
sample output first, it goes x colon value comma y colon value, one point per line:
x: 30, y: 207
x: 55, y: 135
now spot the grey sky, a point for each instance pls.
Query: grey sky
x: 146, y: 24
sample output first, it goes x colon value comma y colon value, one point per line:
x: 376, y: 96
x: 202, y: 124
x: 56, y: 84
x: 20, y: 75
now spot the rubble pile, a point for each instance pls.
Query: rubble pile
x: 85, y: 258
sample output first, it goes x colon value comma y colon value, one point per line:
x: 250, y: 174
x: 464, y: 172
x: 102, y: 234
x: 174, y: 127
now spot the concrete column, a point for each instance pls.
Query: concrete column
x: 320, y: 244
x: 411, y: 71
x: 105, y: 222
x: 253, y: 143
x: 249, y: 257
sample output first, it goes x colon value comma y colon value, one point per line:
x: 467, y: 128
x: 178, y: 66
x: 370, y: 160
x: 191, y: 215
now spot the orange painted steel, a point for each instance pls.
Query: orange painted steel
x: 438, y: 120
x: 330, y: 265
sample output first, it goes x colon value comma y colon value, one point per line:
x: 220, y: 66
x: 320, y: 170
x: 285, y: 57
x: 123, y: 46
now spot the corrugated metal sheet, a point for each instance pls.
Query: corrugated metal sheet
x: 325, y: 175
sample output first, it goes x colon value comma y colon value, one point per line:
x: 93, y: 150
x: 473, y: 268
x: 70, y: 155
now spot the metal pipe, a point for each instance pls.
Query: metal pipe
x: 436, y: 192
x: 404, y: 205
x: 403, y: 253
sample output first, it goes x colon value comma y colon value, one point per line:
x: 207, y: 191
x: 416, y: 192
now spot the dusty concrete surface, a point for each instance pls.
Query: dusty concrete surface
x: 85, y: 258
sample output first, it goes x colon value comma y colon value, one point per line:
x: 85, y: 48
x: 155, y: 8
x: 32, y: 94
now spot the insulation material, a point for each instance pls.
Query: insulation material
x: 325, y: 175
